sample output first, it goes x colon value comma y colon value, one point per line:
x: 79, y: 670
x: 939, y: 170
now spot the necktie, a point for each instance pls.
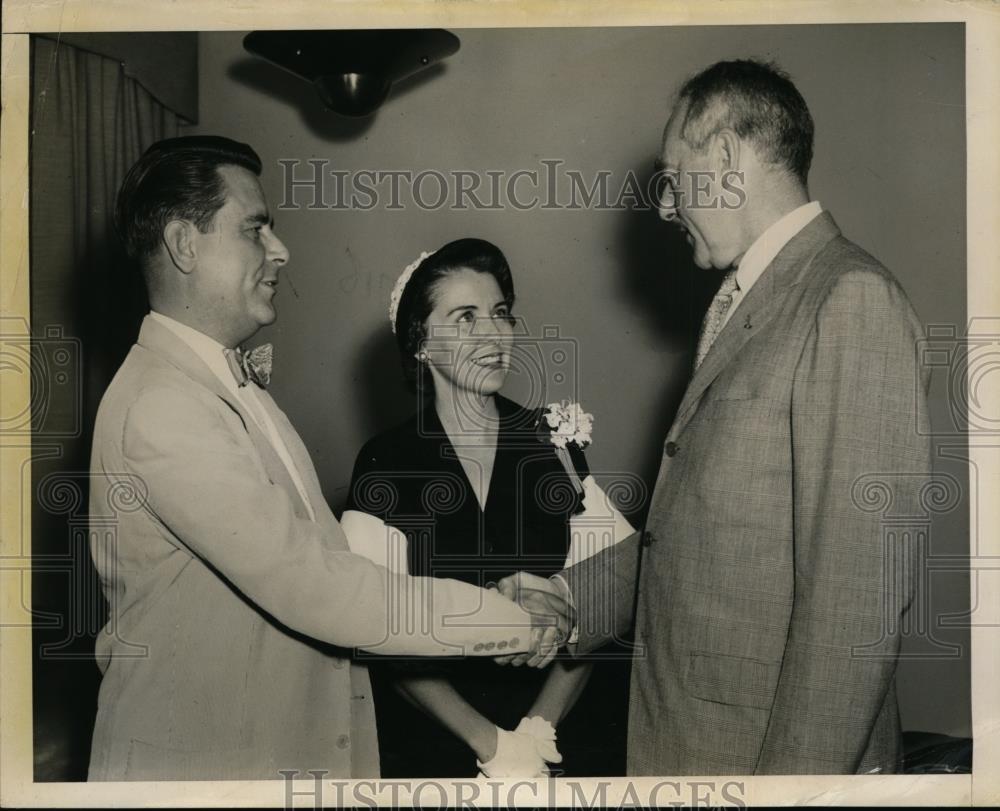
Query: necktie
x: 254, y: 365
x: 715, y: 317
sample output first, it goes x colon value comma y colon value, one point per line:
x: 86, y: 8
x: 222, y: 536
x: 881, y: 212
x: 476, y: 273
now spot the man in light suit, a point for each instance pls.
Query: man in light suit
x: 770, y: 598
x: 234, y: 601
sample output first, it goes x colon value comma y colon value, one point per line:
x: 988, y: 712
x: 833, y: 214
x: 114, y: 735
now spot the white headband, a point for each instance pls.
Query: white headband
x: 397, y: 290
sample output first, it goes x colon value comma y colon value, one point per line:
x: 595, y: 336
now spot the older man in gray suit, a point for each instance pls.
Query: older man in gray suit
x: 767, y: 618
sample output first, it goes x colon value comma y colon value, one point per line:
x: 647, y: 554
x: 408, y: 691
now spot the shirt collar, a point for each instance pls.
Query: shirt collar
x: 205, y: 347
x: 767, y: 246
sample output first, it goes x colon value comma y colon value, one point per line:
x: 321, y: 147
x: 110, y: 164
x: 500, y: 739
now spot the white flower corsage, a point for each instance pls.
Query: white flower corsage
x: 564, y: 424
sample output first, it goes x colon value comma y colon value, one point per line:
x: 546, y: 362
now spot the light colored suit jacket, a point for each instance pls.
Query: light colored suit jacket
x: 770, y: 589
x: 232, y: 614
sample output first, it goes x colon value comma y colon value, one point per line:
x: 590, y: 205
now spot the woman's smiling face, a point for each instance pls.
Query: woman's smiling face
x: 469, y: 334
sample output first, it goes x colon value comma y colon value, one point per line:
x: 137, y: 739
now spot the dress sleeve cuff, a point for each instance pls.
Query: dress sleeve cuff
x: 598, y: 526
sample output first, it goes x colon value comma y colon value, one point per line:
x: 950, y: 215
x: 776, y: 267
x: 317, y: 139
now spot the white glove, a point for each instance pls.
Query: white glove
x: 544, y: 736
x: 516, y: 756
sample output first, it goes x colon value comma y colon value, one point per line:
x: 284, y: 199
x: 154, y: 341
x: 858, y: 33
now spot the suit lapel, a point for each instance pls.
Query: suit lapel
x: 300, y: 456
x: 159, y: 339
x: 755, y: 311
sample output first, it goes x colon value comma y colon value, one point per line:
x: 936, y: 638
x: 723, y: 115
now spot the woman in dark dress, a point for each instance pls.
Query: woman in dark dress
x: 470, y: 488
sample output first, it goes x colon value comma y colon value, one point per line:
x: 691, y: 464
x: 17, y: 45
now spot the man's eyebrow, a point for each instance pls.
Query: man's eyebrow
x: 260, y: 218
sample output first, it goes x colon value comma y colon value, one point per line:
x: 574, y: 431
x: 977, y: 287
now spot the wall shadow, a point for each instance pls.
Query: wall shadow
x: 382, y: 397
x: 87, y: 301
x: 95, y: 314
x: 670, y: 295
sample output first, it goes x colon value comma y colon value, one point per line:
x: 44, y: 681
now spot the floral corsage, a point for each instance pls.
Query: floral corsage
x: 563, y: 424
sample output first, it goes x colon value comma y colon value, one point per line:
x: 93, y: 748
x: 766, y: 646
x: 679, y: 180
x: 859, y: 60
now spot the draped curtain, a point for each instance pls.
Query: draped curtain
x: 90, y: 120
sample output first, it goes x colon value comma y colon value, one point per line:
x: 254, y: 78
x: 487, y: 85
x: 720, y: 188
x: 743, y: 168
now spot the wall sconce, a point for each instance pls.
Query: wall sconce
x: 353, y: 70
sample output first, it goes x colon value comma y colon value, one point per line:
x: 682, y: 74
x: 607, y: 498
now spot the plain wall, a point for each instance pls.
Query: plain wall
x: 888, y: 103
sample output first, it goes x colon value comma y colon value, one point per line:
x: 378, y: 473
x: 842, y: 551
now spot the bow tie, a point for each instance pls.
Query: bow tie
x: 254, y: 365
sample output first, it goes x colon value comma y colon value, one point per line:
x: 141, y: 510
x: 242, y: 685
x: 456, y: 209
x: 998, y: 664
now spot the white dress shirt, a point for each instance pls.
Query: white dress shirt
x: 213, y: 354
x: 767, y: 246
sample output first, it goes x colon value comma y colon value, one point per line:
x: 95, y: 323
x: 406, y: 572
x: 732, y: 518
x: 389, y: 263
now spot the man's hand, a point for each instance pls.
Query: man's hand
x: 552, y: 616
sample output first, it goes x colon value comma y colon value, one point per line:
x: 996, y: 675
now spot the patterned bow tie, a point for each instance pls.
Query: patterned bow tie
x: 254, y: 365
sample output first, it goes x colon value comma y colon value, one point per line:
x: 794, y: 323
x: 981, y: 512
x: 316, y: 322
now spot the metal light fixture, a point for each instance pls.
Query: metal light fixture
x: 353, y: 70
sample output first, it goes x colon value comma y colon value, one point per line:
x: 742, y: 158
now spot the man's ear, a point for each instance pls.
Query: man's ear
x: 178, y: 237
x: 726, y: 147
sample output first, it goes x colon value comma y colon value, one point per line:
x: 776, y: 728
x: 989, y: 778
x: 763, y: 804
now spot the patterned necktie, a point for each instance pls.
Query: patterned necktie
x: 254, y: 365
x: 715, y: 317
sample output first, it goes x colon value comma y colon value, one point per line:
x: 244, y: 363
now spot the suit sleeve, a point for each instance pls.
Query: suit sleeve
x: 603, y: 588
x: 858, y: 410
x: 206, y: 488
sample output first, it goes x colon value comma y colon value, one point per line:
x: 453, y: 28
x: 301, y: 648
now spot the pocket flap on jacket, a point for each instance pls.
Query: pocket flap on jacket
x: 732, y: 680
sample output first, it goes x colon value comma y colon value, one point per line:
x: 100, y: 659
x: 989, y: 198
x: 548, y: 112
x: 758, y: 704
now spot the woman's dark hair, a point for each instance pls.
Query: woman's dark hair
x: 175, y: 179
x: 417, y: 301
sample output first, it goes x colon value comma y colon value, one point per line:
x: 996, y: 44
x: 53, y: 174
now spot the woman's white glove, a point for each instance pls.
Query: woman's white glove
x: 516, y: 756
x: 544, y: 736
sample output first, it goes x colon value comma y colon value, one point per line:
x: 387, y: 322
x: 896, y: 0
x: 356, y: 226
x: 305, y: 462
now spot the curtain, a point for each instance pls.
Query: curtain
x: 89, y: 122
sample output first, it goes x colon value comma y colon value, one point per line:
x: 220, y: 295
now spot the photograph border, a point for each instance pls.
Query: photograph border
x: 23, y: 17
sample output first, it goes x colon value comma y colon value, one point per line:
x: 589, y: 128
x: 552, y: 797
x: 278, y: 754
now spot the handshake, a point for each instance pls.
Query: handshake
x: 553, y: 616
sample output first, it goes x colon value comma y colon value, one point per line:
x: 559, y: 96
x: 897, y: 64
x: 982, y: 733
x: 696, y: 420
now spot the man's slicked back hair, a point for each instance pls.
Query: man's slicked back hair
x: 176, y: 179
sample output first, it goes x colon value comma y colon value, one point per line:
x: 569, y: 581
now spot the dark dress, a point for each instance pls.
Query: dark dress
x: 411, y: 478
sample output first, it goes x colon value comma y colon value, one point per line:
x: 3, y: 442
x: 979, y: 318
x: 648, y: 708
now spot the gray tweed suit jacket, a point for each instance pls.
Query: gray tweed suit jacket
x: 770, y: 590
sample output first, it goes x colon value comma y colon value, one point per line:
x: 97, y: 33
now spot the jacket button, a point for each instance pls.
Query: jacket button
x: 477, y: 647
x: 647, y: 538
x: 343, y: 741
x: 671, y: 448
